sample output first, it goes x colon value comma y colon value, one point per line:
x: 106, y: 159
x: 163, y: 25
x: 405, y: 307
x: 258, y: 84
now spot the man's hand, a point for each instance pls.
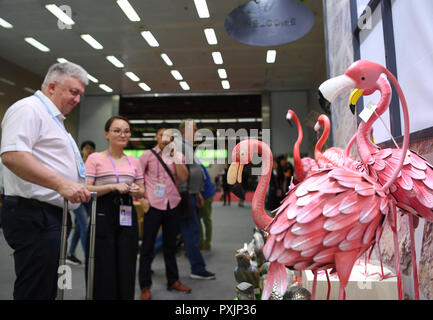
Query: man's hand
x: 74, y: 192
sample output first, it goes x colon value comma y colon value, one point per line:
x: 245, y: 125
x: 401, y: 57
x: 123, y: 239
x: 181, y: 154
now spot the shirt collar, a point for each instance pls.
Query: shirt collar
x: 53, y: 108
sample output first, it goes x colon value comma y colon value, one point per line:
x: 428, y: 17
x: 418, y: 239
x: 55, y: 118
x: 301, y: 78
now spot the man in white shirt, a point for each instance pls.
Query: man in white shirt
x: 42, y: 166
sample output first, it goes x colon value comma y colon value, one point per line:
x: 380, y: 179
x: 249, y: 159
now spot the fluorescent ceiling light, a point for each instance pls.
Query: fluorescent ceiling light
x: 61, y: 60
x: 155, y: 121
x: 128, y: 10
x: 173, y: 121
x: 225, y: 84
x: 5, y: 24
x: 228, y: 120
x: 137, y: 121
x: 209, y: 120
x: 270, y: 56
x: 132, y: 76
x: 222, y: 73
x: 147, y: 134
x: 92, y: 78
x: 7, y: 81
x: 247, y: 120
x: 176, y: 74
x: 115, y: 61
x: 217, y: 57
x: 150, y: 39
x: 202, y: 9
x: 166, y: 59
x: 55, y: 10
x: 184, y: 85
x: 37, y: 44
x: 210, y: 36
x: 144, y: 86
x: 105, y: 88
x: 92, y: 42
x: 29, y: 90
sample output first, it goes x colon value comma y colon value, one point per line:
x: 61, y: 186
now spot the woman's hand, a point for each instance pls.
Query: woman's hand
x: 121, y: 187
x: 136, y: 191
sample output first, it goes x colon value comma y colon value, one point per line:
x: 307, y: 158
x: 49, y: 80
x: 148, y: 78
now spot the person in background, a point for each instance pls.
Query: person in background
x: 81, y: 214
x: 226, y: 187
x: 116, y: 178
x: 189, y: 226
x: 205, y: 212
x: 42, y: 166
x: 164, y: 199
x: 275, y: 190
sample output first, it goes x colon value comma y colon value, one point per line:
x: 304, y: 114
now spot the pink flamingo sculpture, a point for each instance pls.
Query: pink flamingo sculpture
x: 413, y: 189
x: 305, y: 165
x: 331, y: 218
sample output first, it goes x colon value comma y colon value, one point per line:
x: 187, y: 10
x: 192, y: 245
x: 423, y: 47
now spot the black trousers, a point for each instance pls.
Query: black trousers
x: 153, y: 219
x: 116, y: 249
x: 33, y: 229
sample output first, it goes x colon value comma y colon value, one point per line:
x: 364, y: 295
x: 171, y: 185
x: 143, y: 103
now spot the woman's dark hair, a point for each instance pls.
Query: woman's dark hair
x: 110, y: 121
x: 88, y: 142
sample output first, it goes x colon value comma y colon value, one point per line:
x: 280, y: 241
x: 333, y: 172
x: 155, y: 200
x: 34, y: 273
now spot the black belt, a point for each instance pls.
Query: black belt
x: 16, y: 200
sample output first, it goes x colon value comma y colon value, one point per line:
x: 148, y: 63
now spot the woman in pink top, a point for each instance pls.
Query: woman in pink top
x: 116, y: 178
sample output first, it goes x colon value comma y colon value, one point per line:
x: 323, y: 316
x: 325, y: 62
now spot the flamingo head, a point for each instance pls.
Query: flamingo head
x: 323, y: 118
x: 381, y: 84
x: 362, y: 74
x: 241, y: 155
x: 290, y: 116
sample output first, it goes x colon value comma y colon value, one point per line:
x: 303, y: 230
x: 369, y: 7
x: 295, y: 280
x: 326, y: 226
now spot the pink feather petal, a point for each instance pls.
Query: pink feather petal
x: 405, y: 181
x: 311, y: 211
x: 335, y: 237
x: 269, y: 244
x: 349, y: 204
x: 365, y: 189
x: 288, y: 257
x: 428, y: 181
x: 311, y: 252
x: 305, y: 242
x: 300, y: 229
x: 416, y: 174
x: 280, y: 224
x: 417, y: 162
x: 277, y: 250
x: 326, y: 256
x: 301, y: 265
x: 425, y: 196
x: 356, y: 232
x: 383, y: 154
x: 341, y: 221
x: 372, y: 229
x: 368, y: 214
x: 379, y: 164
x: 279, y: 237
x: 331, y: 207
x: 346, y: 245
x: 304, y: 200
x: 288, y: 239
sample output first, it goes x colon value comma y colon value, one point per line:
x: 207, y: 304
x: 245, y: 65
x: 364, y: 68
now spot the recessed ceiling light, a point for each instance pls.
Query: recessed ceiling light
x: 166, y: 59
x: 92, y: 42
x: 61, y: 60
x: 11, y: 83
x: 144, y: 86
x: 176, y: 74
x: 217, y: 57
x: 115, y: 61
x: 222, y: 73
x: 92, y: 78
x: 270, y: 56
x: 55, y: 10
x: 184, y: 85
x: 37, y: 44
x: 105, y: 88
x: 202, y: 9
x: 5, y: 24
x: 128, y: 10
x: 150, y: 39
x: 30, y: 90
x: 210, y: 36
x: 225, y: 84
x: 132, y: 76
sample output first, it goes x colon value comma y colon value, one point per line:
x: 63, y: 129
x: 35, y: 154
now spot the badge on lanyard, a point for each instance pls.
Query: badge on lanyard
x: 125, y: 217
x: 159, y: 190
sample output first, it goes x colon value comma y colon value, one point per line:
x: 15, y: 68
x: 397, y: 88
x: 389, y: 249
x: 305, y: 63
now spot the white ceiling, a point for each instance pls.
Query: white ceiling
x: 179, y: 31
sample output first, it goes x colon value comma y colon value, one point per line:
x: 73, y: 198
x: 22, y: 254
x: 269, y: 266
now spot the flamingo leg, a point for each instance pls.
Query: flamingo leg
x: 313, y: 291
x: 412, y: 248
x: 344, y: 262
x: 329, y: 285
x: 393, y: 218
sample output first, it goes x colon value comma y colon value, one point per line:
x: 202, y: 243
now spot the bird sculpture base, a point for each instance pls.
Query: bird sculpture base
x: 359, y: 287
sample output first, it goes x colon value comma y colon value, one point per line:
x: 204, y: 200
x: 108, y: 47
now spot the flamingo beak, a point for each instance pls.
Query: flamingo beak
x: 332, y: 88
x: 235, y: 173
x: 354, y: 97
x: 317, y: 126
x: 289, y: 119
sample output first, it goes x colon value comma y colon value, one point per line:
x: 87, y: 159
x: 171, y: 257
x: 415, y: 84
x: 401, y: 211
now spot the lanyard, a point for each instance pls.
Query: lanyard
x: 79, y: 161
x: 115, y: 168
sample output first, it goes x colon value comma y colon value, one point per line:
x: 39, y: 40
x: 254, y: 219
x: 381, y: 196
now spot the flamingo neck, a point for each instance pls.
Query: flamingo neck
x: 365, y: 146
x: 260, y: 217
x: 323, y: 121
x: 297, y: 162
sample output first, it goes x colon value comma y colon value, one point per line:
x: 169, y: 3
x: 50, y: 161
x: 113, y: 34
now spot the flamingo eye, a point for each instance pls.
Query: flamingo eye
x: 363, y: 78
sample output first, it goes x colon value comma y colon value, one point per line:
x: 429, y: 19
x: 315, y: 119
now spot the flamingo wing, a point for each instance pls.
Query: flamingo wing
x: 414, y: 187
